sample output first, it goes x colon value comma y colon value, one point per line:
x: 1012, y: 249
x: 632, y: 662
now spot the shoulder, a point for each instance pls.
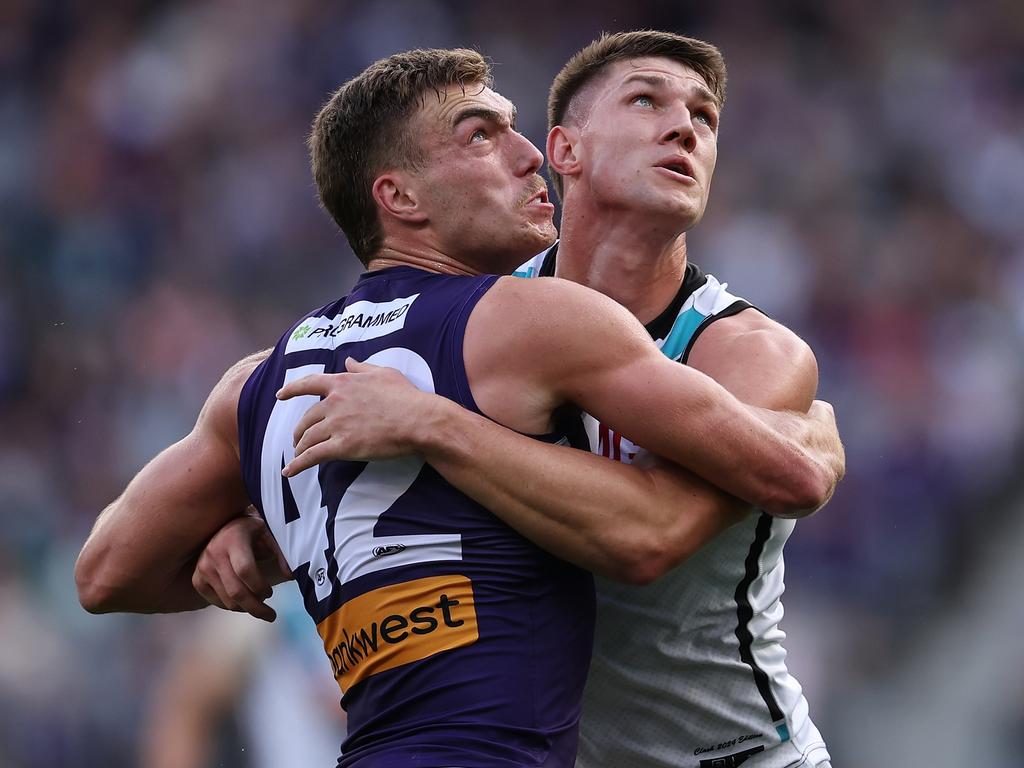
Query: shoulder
x: 230, y: 385
x: 756, y: 333
x: 553, y: 297
x: 219, y: 417
x: 744, y: 348
x: 549, y: 314
x: 236, y: 375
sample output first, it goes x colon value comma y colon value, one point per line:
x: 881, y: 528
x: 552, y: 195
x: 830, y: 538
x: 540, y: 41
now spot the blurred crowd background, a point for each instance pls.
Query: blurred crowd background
x: 158, y: 222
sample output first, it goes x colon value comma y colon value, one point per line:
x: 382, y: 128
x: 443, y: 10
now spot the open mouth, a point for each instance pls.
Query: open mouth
x: 539, y: 197
x: 678, y: 167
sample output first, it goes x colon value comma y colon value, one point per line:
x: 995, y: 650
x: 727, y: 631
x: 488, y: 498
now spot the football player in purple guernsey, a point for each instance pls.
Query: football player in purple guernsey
x: 455, y: 640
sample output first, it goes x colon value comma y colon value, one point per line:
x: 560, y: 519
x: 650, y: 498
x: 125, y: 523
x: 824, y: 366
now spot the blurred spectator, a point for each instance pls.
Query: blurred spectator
x: 239, y: 692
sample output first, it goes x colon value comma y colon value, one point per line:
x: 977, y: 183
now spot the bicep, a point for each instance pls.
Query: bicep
x: 190, y: 489
x: 682, y: 414
x: 612, y: 369
x: 534, y: 345
x: 197, y: 482
x: 666, y: 407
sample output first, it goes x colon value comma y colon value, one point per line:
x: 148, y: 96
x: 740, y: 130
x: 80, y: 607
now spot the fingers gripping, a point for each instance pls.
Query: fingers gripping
x: 241, y: 597
x: 203, y: 583
x: 228, y: 575
x: 355, y: 419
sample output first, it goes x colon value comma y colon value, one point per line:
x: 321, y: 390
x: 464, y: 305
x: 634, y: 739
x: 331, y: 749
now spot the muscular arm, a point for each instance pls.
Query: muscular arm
x: 765, y: 364
x: 633, y: 524
x: 144, y: 546
x: 572, y: 344
x: 627, y: 522
x: 630, y: 523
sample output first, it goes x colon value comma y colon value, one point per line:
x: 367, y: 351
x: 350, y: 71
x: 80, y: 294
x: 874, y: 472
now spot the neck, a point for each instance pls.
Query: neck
x: 420, y: 257
x: 622, y: 256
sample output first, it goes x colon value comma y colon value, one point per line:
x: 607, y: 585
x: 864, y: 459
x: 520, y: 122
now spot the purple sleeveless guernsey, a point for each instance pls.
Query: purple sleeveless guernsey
x: 455, y: 641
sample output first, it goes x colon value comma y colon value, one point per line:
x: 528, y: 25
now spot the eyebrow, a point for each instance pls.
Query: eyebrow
x: 485, y: 113
x: 656, y: 81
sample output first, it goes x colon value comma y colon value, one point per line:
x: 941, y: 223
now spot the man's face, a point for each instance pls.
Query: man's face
x: 479, y: 186
x: 649, y: 142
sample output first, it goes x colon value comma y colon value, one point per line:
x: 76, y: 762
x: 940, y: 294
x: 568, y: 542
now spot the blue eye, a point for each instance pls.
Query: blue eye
x: 478, y: 135
x: 705, y: 117
x: 643, y: 101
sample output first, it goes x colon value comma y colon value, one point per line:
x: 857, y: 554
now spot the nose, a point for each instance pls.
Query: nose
x: 529, y: 159
x: 681, y: 131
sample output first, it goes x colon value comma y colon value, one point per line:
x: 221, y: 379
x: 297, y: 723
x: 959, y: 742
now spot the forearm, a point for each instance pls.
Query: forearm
x: 682, y: 415
x: 786, y: 475
x: 179, y: 594
x: 119, y: 570
x: 765, y: 365
x: 624, y: 522
x: 747, y: 451
x: 143, y: 548
x: 785, y: 469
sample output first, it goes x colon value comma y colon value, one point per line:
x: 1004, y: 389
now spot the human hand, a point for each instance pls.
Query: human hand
x: 240, y: 565
x: 817, y: 436
x: 826, y: 443
x: 370, y: 413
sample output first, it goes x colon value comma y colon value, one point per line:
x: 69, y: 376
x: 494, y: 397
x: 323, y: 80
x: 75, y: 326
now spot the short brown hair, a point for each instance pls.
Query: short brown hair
x: 703, y: 58
x: 362, y: 130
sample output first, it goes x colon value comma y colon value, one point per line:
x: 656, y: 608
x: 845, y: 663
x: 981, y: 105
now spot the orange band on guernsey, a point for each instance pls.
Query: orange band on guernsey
x: 397, y: 625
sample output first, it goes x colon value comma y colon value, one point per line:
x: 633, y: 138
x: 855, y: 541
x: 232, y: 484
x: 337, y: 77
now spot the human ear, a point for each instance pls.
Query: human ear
x: 562, y: 151
x: 396, y: 197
